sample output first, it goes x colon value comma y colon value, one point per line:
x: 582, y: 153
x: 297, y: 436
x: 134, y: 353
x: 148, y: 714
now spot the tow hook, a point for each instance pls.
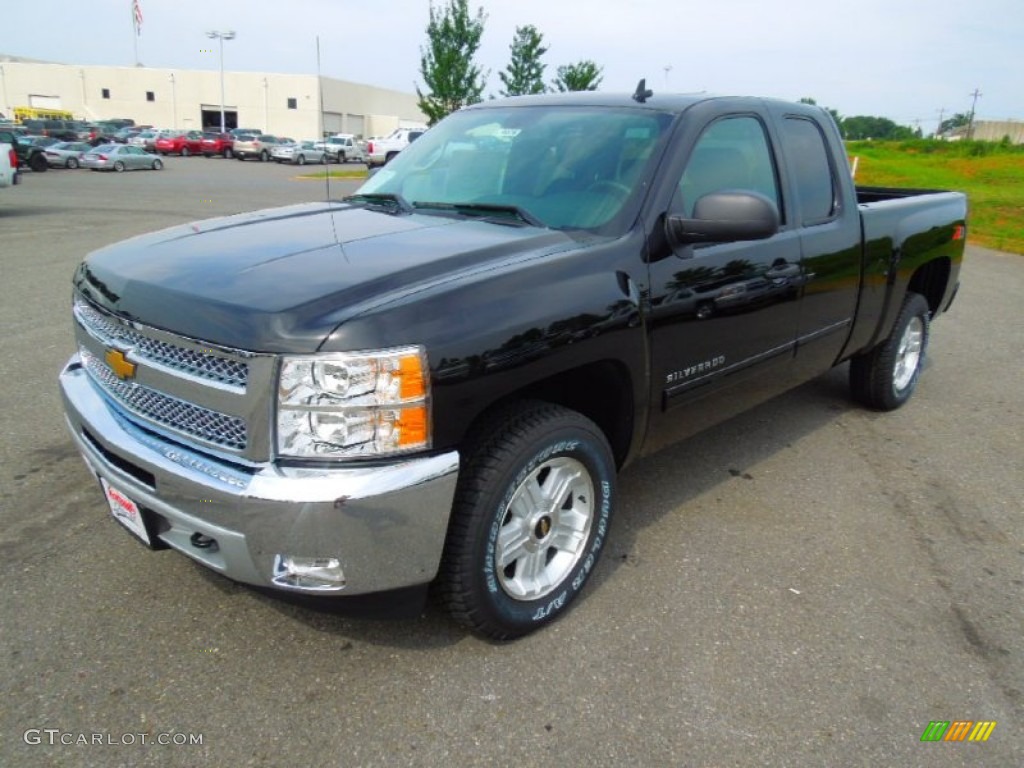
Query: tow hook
x: 201, y: 541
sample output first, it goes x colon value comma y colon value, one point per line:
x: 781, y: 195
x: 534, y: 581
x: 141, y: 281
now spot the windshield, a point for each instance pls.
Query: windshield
x: 563, y: 167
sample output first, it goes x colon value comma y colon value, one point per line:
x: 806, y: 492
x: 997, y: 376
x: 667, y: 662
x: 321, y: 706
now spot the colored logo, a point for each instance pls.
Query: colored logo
x: 958, y: 730
x: 119, y: 364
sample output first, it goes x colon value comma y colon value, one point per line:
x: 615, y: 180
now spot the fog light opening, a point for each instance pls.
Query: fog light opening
x: 316, y: 574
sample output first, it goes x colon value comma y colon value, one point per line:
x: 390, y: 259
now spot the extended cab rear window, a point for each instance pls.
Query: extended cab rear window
x: 807, y: 156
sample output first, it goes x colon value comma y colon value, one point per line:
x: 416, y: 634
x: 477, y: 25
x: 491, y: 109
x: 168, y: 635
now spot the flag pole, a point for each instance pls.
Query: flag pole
x: 134, y: 10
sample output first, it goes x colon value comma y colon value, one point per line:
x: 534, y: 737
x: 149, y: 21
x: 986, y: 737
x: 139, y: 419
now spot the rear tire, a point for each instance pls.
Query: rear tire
x: 530, y: 518
x: 884, y: 378
x: 72, y: 163
x: 185, y: 152
x: 301, y: 160
x: 228, y: 154
x: 158, y: 165
x: 119, y: 166
x: 38, y: 163
x: 264, y: 156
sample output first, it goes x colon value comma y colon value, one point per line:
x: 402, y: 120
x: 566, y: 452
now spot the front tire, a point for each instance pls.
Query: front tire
x: 884, y: 378
x: 72, y: 163
x: 119, y: 166
x: 301, y: 160
x: 529, y: 521
x: 185, y: 152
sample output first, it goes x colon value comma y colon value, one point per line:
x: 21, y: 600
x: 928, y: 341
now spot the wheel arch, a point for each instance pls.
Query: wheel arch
x: 931, y: 280
x: 602, y: 391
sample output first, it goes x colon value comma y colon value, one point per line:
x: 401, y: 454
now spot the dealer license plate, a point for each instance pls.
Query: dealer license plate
x: 125, y: 510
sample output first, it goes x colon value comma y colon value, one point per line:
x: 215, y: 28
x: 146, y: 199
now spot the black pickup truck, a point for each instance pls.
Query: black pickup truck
x: 435, y: 380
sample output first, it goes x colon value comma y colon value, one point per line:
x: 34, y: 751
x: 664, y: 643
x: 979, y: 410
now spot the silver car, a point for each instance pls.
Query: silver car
x: 120, y: 157
x: 144, y: 139
x: 298, y: 153
x: 66, y: 154
x: 250, y: 145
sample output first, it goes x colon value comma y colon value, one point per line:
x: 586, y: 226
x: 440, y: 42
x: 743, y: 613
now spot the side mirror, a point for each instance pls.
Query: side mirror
x: 723, y: 217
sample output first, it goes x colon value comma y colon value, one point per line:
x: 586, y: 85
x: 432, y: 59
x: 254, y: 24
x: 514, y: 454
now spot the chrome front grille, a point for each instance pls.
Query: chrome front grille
x: 211, y: 398
x: 204, y: 365
x: 201, y: 423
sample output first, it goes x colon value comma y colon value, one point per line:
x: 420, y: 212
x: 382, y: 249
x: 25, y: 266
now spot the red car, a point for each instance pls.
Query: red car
x: 215, y: 143
x: 182, y: 143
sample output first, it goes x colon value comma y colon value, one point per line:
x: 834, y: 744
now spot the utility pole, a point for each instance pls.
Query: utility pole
x: 970, y: 122
x: 938, y: 131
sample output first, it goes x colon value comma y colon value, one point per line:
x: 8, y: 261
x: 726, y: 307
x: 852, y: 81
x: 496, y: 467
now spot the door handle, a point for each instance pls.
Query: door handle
x: 783, y: 270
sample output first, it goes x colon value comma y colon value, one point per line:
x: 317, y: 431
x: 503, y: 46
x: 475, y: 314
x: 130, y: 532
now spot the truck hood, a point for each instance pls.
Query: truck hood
x: 281, y: 280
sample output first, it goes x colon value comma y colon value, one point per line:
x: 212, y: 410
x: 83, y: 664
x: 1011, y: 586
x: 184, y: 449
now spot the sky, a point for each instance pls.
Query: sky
x: 908, y: 60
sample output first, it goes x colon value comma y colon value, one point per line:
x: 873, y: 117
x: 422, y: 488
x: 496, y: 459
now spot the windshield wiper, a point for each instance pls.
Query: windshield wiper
x: 484, y: 208
x: 395, y: 201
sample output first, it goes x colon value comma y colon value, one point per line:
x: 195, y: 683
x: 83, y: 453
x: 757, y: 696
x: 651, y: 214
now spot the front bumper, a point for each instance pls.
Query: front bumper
x: 386, y: 524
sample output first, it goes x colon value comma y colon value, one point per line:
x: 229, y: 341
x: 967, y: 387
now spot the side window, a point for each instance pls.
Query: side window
x: 807, y: 156
x: 732, y: 153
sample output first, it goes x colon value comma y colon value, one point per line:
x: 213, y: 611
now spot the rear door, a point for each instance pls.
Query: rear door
x: 727, y: 313
x: 830, y: 240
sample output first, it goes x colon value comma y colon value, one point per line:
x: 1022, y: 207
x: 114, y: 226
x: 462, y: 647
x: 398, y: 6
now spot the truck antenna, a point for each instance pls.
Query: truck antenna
x: 642, y: 93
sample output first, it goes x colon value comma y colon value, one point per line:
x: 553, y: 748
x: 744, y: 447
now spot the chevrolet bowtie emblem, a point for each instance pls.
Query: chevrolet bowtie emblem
x: 119, y: 364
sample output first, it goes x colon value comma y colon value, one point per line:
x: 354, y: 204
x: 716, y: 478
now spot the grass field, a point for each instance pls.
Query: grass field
x: 353, y: 175
x: 991, y: 174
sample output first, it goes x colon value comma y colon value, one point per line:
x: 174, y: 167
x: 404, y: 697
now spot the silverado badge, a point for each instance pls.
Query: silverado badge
x: 119, y: 364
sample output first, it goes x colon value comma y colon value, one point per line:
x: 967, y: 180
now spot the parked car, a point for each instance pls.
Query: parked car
x: 38, y: 141
x: 236, y: 132
x: 66, y: 154
x: 61, y: 130
x: 215, y: 143
x: 251, y: 145
x: 344, y: 148
x: 28, y: 154
x: 120, y: 157
x: 299, y: 153
x: 144, y: 139
x: 9, y: 174
x: 382, y: 151
x: 182, y: 143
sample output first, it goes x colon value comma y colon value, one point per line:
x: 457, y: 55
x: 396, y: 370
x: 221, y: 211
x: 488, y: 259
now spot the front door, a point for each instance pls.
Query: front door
x: 724, y: 313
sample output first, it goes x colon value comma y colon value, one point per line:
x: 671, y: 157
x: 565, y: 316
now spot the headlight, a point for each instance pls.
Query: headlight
x: 354, y: 404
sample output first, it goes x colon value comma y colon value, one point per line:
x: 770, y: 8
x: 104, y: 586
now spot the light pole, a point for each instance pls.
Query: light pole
x: 221, y: 36
x: 174, y: 99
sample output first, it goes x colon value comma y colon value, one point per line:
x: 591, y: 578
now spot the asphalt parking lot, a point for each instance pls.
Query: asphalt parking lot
x: 807, y: 584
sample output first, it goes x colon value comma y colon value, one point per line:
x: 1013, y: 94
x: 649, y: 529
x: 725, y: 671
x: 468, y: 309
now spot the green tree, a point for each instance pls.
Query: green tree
x: 959, y: 120
x: 880, y: 128
x: 582, y: 76
x: 452, y: 78
x: 525, y: 72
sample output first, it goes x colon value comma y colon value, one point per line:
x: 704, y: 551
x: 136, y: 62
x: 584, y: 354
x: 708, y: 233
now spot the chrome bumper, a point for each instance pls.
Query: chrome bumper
x: 385, y: 524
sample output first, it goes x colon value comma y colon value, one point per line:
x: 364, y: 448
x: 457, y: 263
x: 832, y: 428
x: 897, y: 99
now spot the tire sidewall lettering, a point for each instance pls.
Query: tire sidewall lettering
x: 535, y: 611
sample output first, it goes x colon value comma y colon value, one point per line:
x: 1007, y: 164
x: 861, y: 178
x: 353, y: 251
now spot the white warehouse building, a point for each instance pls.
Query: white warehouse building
x: 298, y: 106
